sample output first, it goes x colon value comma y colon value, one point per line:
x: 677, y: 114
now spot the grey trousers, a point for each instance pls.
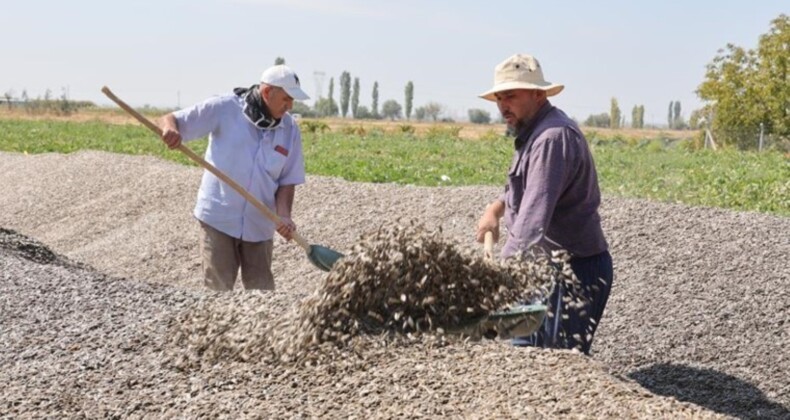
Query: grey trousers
x: 223, y: 255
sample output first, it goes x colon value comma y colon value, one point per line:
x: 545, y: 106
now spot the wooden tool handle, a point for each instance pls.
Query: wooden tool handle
x: 488, y: 245
x: 209, y: 167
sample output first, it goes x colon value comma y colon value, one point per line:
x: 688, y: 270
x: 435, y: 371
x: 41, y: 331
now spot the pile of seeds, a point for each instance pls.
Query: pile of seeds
x: 698, y: 322
x: 396, y: 283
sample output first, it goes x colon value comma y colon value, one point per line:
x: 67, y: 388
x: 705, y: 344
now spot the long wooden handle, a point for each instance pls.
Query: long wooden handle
x: 209, y: 167
x: 488, y: 245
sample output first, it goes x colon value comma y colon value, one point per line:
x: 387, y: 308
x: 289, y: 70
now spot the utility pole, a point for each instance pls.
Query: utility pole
x: 319, y: 84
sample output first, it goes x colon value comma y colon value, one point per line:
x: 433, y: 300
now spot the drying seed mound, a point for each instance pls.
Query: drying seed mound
x: 79, y: 344
x: 407, y: 279
x: 395, y: 284
x: 697, y: 319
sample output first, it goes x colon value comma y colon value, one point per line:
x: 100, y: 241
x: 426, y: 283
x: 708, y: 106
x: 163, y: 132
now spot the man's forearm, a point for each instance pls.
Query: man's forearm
x: 284, y: 199
x: 496, y: 209
x: 168, y: 121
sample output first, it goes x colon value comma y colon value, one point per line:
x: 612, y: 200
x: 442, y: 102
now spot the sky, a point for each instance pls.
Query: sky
x: 174, y: 53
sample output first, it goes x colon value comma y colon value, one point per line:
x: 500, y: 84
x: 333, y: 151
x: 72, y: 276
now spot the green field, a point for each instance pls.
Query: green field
x: 646, y: 168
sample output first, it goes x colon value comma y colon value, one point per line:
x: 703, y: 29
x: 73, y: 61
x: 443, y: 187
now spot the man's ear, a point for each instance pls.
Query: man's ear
x: 266, y: 91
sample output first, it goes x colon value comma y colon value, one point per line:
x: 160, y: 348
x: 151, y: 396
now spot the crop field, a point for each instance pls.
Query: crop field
x: 656, y: 165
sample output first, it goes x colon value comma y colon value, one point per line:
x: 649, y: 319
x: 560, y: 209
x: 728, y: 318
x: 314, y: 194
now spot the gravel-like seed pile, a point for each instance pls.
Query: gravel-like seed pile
x: 698, y: 312
x: 398, y: 283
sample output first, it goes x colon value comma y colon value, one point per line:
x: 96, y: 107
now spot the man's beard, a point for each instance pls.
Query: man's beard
x: 513, y: 129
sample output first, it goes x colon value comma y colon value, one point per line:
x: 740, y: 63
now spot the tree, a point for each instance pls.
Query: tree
x: 8, y: 95
x: 355, y: 98
x: 326, y: 107
x: 677, y: 120
x: 419, y: 113
x: 614, y: 114
x: 278, y: 61
x: 432, y: 110
x: 66, y: 106
x: 479, y: 116
x: 744, y: 88
x: 302, y: 109
x: 374, y: 107
x: 670, y: 119
x: 598, y: 120
x: 331, y: 105
x: 345, y: 92
x: 363, y: 113
x: 641, y: 116
x: 638, y: 116
x: 696, y: 119
x: 409, y: 92
x: 391, y: 109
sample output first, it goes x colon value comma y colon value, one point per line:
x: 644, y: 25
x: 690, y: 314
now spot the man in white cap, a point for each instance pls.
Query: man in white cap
x: 551, y: 201
x: 253, y: 140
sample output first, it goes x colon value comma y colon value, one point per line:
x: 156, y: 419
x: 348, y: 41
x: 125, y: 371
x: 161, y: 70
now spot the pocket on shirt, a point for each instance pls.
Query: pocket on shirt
x: 515, y: 187
x: 275, y: 162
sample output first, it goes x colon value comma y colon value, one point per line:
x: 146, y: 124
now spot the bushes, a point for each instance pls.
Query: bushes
x: 313, y: 127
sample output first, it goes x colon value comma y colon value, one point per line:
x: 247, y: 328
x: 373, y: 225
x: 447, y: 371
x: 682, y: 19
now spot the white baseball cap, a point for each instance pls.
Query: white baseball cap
x: 282, y: 76
x: 520, y: 71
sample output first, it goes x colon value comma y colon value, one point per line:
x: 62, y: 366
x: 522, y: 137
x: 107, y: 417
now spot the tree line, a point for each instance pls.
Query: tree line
x: 47, y: 104
x: 348, y: 104
x: 746, y: 94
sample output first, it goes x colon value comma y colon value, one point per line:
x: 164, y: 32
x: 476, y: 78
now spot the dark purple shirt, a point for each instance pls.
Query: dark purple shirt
x: 552, y: 196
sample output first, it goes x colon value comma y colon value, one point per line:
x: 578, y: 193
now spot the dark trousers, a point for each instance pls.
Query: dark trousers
x: 569, y: 327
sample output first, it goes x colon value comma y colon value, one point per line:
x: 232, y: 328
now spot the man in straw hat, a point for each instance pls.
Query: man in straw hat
x: 254, y: 141
x: 551, y: 201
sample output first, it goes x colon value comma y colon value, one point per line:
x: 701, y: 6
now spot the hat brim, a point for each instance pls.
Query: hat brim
x: 296, y: 93
x: 550, y: 88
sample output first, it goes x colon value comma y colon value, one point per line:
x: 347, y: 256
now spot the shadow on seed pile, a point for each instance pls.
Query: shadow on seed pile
x: 24, y: 247
x: 711, y: 389
x: 395, y: 284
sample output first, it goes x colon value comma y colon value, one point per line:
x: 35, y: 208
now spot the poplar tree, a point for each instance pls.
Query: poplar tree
x: 345, y: 92
x: 670, y: 112
x: 374, y: 107
x: 615, y: 114
x: 409, y: 92
x: 355, y: 98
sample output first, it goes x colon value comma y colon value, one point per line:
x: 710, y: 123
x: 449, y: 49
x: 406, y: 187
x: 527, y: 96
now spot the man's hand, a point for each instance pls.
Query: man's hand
x: 170, y: 134
x: 489, y: 222
x: 286, y: 228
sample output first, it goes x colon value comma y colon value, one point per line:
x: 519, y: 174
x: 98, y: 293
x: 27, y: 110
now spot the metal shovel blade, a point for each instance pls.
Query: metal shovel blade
x: 517, y: 321
x: 323, y: 257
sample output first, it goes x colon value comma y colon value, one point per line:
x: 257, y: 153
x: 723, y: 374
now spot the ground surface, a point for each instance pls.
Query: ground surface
x: 98, y: 256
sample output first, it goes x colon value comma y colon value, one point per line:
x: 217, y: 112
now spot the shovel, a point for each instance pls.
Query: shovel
x: 322, y: 257
x: 515, y: 321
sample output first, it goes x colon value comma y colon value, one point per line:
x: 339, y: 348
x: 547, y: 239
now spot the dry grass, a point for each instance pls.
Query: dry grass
x: 109, y: 115
x: 466, y: 130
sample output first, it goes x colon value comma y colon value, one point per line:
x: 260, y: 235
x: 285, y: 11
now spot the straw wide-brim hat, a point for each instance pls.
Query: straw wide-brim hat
x: 520, y: 71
